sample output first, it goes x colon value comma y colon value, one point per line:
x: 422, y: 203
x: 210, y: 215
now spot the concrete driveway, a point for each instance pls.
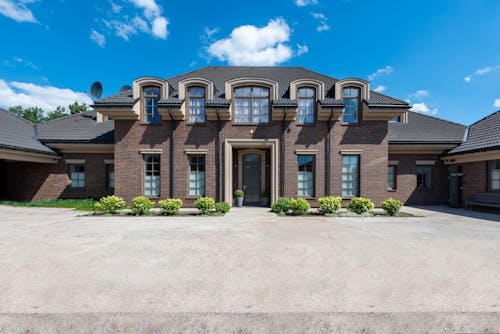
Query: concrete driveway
x: 54, y: 262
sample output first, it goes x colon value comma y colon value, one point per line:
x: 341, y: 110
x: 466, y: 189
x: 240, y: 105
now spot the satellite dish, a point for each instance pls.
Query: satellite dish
x: 96, y: 90
x: 125, y: 88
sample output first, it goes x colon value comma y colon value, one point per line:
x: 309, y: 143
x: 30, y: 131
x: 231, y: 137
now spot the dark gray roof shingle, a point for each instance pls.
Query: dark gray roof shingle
x: 425, y: 129
x: 220, y: 74
x: 19, y: 134
x: 79, y: 128
x: 482, y: 136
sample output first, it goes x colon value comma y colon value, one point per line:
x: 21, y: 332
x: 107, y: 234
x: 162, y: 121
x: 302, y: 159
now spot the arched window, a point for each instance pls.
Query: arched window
x: 151, y: 96
x: 306, y: 98
x: 351, y: 103
x: 196, y: 102
x: 251, y: 105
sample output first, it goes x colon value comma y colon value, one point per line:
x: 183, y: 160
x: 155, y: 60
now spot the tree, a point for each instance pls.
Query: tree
x: 55, y: 114
x: 76, y: 108
x: 32, y: 114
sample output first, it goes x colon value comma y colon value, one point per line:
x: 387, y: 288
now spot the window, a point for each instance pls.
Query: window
x: 151, y: 95
x: 251, y: 105
x: 424, y: 177
x: 391, y: 178
x: 77, y: 176
x: 197, y: 175
x: 196, y: 104
x: 396, y: 119
x: 494, y: 174
x: 305, y: 176
x: 306, y: 105
x: 152, y: 175
x: 350, y: 175
x: 351, y: 103
x: 110, y: 176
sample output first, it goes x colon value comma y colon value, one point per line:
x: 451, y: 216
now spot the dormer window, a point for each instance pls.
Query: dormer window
x: 196, y: 104
x: 251, y: 105
x: 351, y: 103
x: 306, y: 98
x: 151, y: 96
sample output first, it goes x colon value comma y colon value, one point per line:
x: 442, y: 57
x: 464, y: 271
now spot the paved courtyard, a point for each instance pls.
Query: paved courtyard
x: 56, y: 261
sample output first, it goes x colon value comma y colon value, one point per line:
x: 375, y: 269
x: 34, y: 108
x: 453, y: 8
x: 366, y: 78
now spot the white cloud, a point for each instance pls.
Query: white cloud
x: 17, y: 11
x: 323, y: 25
x: 30, y: 95
x: 380, y: 88
x: 147, y: 17
x: 98, y: 38
x: 302, y: 3
x: 381, y: 71
x: 481, y: 71
x: 497, y: 103
x: 21, y: 61
x: 420, y: 94
x: 424, y: 109
x: 301, y: 49
x: 251, y: 45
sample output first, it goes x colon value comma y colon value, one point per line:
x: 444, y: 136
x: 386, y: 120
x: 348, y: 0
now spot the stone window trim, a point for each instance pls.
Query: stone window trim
x: 363, y: 85
x: 351, y: 151
x: 109, y: 161
x: 200, y: 82
x: 75, y: 161
x: 306, y: 152
x: 137, y: 93
x: 300, y: 83
x: 425, y: 162
x: 150, y: 151
x: 251, y: 81
x: 393, y: 162
x: 195, y: 151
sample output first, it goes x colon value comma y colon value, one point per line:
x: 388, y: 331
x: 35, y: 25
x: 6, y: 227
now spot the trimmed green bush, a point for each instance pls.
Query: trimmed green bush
x: 299, y: 206
x: 391, y: 206
x: 222, y: 207
x: 141, y: 205
x: 204, y: 204
x: 109, y: 204
x: 281, y: 206
x: 329, y: 204
x: 360, y: 205
x: 239, y: 193
x: 170, y: 206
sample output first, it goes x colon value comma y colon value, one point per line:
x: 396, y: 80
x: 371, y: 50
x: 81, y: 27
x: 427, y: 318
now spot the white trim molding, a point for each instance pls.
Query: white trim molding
x: 306, y: 151
x: 472, y: 157
x: 393, y: 162
x: 425, y: 162
x: 15, y: 155
x: 231, y: 84
x: 319, y: 85
x: 147, y: 81
x: 109, y: 161
x: 352, y: 151
x: 75, y: 161
x: 353, y: 82
x: 195, y: 151
x: 150, y: 151
x: 184, y: 84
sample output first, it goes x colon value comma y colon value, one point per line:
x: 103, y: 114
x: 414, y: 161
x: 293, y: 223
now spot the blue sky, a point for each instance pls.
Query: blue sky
x: 441, y: 55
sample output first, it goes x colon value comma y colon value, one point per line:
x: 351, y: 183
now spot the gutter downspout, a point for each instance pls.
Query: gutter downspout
x: 327, y: 156
x: 282, y: 153
x: 172, y: 153
x: 217, y: 158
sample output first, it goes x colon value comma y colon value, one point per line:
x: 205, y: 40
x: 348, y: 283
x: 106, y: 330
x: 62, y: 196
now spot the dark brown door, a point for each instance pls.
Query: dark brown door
x: 251, y: 178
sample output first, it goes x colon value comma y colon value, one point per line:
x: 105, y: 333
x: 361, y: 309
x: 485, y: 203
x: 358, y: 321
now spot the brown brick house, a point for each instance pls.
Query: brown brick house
x: 272, y: 131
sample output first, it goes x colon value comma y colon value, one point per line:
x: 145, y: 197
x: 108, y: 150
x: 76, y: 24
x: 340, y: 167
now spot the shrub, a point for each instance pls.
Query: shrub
x: 141, y: 205
x: 391, y: 206
x: 360, y: 205
x: 222, y: 207
x: 170, y: 206
x: 329, y: 204
x: 204, y: 204
x: 281, y: 206
x: 110, y: 204
x: 299, y: 206
x: 239, y: 193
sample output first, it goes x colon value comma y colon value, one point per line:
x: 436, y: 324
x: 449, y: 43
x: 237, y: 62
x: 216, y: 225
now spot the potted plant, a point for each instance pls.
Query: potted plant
x: 264, y: 198
x: 239, y: 197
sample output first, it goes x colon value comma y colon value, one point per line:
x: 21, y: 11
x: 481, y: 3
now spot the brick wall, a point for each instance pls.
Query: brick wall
x: 475, y: 178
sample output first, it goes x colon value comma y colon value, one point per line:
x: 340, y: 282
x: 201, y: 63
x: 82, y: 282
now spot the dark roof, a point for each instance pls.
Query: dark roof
x: 424, y: 129
x: 483, y: 135
x: 19, y: 134
x: 220, y: 74
x: 78, y: 128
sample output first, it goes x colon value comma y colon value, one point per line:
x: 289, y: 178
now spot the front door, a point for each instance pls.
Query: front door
x: 251, y: 178
x: 455, y: 185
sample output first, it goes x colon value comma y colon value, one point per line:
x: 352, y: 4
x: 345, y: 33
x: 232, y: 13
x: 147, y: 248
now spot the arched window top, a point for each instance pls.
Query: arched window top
x: 140, y: 83
x: 306, y: 92
x: 319, y: 87
x: 248, y: 91
x: 196, y: 91
x: 350, y: 92
x: 196, y: 102
x: 198, y: 82
x: 271, y: 85
x: 363, y: 87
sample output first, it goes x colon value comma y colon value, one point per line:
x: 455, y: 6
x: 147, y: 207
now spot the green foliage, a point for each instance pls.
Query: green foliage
x: 32, y: 114
x: 239, y: 193
x: 281, y: 206
x: 86, y: 204
x: 141, y: 205
x: 170, y: 206
x: 299, y: 206
x: 329, y: 204
x: 222, y: 207
x: 77, y: 108
x: 391, y: 206
x: 204, y: 204
x: 360, y: 205
x: 55, y: 114
x: 109, y: 204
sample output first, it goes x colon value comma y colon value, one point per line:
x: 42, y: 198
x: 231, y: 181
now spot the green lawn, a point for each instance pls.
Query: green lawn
x: 78, y: 204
